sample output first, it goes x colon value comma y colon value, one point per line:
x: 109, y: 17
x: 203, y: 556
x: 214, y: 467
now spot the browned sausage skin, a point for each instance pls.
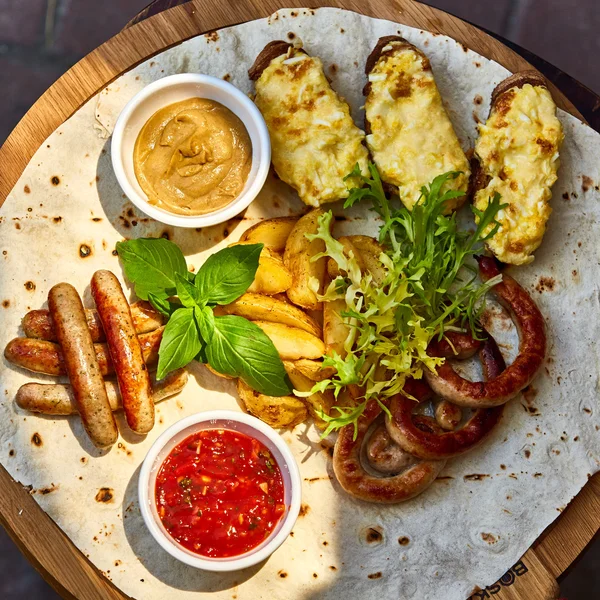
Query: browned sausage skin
x: 45, y: 357
x: 532, y: 349
x: 58, y: 399
x: 38, y: 324
x: 81, y: 364
x: 404, y: 427
x: 125, y: 351
x: 355, y: 480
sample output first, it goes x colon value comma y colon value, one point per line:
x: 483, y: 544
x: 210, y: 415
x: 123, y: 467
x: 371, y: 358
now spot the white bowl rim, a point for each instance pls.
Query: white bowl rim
x: 252, y: 557
x: 263, y: 152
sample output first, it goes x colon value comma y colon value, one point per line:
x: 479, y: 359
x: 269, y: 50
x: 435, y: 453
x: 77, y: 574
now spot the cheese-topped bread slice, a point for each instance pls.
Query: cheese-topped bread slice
x: 410, y: 135
x: 315, y: 143
x: 517, y: 156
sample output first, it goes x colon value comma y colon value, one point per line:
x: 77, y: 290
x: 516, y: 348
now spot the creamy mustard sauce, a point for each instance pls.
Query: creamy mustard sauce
x: 412, y: 140
x: 518, y: 149
x: 314, y: 140
x: 193, y: 157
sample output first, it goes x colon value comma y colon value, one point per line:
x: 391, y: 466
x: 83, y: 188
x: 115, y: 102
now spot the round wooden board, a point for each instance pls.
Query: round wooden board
x: 70, y: 573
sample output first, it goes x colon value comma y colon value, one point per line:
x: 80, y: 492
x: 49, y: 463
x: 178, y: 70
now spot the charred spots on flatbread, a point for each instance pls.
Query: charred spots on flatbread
x: 475, y: 477
x: 85, y: 251
x: 373, y: 534
x: 291, y: 35
x: 27, y: 189
x: 55, y: 180
x: 226, y: 77
x: 212, y: 36
x: 586, y: 183
x: 83, y: 460
x: 29, y: 286
x: 478, y: 99
x: 377, y: 575
x: 404, y: 540
x: 45, y: 490
x: 56, y: 219
x: 304, y: 510
x: 96, y: 219
x: 545, y: 284
x: 11, y: 453
x: 105, y: 495
x: 282, y: 574
x: 36, y: 440
x: 5, y: 303
x: 489, y: 538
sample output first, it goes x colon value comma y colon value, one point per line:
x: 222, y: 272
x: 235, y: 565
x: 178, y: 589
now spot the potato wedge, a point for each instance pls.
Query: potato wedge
x: 314, y: 369
x: 370, y: 249
x: 283, y: 411
x: 293, y: 343
x: 273, y: 233
x: 332, y: 267
x: 257, y: 307
x: 335, y: 331
x: 271, y: 276
x: 297, y: 258
x: 320, y: 401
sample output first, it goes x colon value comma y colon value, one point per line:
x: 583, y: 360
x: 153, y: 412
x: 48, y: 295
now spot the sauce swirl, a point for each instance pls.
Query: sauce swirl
x: 192, y: 157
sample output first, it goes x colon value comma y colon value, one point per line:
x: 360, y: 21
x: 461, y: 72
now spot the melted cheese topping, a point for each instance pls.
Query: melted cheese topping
x: 518, y: 149
x: 412, y: 140
x: 315, y: 143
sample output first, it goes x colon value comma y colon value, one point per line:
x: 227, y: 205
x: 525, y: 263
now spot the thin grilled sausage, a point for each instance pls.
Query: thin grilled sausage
x: 355, y: 480
x: 38, y: 324
x: 82, y: 365
x: 125, y: 351
x: 528, y: 320
x: 45, y: 357
x: 58, y: 399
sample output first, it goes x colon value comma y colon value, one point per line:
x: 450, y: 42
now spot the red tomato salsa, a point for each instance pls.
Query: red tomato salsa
x: 220, y: 493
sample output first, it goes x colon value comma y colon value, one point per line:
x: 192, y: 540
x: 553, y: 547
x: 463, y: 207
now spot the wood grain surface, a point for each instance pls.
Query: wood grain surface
x: 38, y: 537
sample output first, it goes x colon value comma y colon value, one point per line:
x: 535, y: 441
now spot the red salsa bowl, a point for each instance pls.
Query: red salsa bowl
x: 220, y: 490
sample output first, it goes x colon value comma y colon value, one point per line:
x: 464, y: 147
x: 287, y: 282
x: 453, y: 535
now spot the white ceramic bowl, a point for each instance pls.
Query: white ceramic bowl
x: 220, y: 419
x: 173, y: 89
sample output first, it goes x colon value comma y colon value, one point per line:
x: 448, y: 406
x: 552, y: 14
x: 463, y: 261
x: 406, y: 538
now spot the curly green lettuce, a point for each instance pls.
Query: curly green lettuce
x: 430, y: 287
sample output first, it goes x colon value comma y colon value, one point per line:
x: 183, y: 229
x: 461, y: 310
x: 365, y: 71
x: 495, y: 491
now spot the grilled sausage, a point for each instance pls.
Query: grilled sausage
x: 58, y: 399
x: 81, y: 364
x: 355, y: 480
x: 406, y: 430
x: 41, y: 356
x: 448, y: 384
x: 38, y: 324
x: 125, y: 351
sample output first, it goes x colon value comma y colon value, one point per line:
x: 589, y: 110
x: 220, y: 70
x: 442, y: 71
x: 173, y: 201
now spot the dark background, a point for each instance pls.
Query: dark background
x: 40, y: 39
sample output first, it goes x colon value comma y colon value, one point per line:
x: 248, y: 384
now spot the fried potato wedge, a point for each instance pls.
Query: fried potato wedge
x: 314, y: 369
x: 332, y: 267
x: 370, y: 249
x: 297, y: 259
x: 257, y: 307
x: 272, y: 277
x: 319, y: 401
x: 293, y: 343
x: 279, y: 412
x: 335, y: 330
x: 273, y: 233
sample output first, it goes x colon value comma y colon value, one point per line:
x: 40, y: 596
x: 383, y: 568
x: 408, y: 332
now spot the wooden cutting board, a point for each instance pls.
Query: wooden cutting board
x: 38, y: 537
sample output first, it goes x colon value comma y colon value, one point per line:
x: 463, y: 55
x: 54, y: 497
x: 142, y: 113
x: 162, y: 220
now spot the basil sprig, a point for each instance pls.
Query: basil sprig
x: 229, y: 344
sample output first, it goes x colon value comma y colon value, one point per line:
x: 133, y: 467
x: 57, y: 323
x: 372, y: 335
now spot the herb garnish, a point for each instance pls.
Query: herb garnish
x: 231, y: 345
x: 429, y: 287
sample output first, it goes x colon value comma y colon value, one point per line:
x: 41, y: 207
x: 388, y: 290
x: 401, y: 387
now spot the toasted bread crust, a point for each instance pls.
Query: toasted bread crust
x: 518, y: 80
x: 271, y: 51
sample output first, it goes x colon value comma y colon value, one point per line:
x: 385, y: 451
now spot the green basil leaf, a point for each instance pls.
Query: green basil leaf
x: 161, y: 303
x: 226, y: 275
x: 239, y: 348
x: 151, y: 264
x: 187, y: 293
x: 180, y: 343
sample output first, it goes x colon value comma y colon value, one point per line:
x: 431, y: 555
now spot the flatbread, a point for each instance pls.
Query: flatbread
x: 61, y: 223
